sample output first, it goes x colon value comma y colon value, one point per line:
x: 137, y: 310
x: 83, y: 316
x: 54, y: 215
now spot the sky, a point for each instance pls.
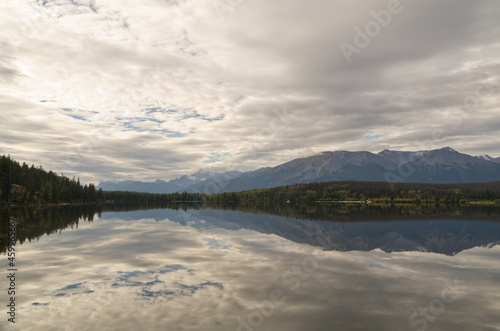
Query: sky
x: 211, y: 274
x: 155, y: 89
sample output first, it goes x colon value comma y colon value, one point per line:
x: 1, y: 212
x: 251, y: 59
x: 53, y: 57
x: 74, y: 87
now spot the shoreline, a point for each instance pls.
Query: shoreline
x: 360, y: 202
x: 47, y: 205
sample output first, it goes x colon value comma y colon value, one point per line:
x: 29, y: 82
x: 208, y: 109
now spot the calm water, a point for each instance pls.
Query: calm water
x: 214, y: 269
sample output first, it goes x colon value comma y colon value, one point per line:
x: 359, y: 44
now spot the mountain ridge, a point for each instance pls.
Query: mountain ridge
x: 439, y: 166
x: 161, y: 186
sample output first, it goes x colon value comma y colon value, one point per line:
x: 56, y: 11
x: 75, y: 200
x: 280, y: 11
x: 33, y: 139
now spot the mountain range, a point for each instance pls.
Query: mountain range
x: 444, y: 237
x: 180, y: 184
x: 398, y: 233
x: 440, y: 166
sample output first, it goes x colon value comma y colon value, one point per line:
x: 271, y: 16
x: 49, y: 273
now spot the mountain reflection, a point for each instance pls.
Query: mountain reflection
x: 439, y: 236
x: 201, y: 267
x: 439, y: 229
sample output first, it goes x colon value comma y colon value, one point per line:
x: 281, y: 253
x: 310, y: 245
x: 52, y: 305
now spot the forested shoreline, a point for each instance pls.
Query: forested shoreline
x: 32, y: 223
x: 30, y: 185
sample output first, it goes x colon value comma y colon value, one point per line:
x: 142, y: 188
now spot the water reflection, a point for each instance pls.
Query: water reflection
x: 32, y: 223
x: 439, y: 229
x: 212, y: 269
x: 439, y: 236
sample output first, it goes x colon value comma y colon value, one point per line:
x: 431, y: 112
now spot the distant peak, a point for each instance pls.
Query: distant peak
x: 448, y: 149
x: 203, y: 172
x: 485, y: 157
x: 385, y: 151
x: 444, y: 149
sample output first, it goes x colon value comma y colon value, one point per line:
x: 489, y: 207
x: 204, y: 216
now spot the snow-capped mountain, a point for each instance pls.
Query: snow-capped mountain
x: 160, y: 186
x: 444, y: 165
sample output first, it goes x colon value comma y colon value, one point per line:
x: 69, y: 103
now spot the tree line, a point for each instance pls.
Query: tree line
x: 328, y: 191
x: 24, y: 184
x: 375, y: 192
x: 32, y: 223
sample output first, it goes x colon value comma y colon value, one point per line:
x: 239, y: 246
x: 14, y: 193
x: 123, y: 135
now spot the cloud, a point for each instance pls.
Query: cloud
x: 176, y: 82
x: 148, y: 271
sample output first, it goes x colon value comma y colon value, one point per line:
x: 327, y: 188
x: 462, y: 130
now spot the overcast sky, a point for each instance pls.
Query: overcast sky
x: 147, y: 89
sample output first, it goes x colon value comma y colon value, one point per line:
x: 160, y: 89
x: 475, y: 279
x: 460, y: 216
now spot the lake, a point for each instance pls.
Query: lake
x: 307, y: 267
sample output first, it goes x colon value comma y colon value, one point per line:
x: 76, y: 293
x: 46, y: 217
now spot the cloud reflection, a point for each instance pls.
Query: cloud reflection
x: 156, y: 274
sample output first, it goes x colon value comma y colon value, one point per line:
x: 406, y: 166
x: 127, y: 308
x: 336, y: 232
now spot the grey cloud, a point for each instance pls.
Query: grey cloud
x: 132, y: 249
x: 117, y: 60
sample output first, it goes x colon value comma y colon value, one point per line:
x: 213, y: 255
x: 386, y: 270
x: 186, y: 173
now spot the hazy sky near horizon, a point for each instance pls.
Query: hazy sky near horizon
x: 122, y: 90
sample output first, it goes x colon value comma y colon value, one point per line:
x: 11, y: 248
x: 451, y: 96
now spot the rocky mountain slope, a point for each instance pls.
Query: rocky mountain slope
x: 440, y: 166
x: 436, y: 166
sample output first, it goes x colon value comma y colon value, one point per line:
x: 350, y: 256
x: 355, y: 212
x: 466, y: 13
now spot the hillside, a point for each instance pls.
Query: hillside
x: 440, y: 166
x: 23, y: 184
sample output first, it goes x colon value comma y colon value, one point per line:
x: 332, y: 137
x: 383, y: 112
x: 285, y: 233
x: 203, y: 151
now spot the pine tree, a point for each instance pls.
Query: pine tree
x: 7, y: 178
